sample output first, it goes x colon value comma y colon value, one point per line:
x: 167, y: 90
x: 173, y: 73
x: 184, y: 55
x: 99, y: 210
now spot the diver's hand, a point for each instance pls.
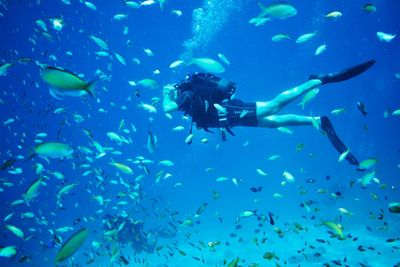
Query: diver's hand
x: 169, y: 90
x: 169, y: 104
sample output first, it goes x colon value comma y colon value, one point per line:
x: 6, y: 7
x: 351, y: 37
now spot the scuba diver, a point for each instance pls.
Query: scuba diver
x: 209, y: 101
x: 132, y: 233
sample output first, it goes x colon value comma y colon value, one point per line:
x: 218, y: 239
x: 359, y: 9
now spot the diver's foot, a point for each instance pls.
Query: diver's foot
x: 327, y: 127
x: 316, y: 122
x: 344, y: 74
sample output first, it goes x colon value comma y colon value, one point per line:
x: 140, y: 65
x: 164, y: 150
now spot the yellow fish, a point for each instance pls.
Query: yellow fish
x: 335, y: 228
x: 66, y: 82
x: 122, y: 167
x: 71, y: 245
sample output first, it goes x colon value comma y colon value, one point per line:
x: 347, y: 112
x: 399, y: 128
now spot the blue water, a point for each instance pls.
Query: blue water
x: 262, y: 69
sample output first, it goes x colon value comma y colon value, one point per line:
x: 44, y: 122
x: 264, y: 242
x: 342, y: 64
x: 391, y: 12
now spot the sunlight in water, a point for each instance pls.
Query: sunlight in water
x: 207, y: 21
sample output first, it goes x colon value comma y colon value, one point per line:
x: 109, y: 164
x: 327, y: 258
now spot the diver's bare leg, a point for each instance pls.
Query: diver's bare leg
x: 321, y: 123
x: 275, y: 121
x: 264, y: 109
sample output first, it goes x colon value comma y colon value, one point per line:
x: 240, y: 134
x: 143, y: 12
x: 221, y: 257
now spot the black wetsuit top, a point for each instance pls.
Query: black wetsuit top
x: 238, y: 113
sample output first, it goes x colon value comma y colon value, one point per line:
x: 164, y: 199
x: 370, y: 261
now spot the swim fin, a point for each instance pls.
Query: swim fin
x: 327, y: 127
x: 344, y: 74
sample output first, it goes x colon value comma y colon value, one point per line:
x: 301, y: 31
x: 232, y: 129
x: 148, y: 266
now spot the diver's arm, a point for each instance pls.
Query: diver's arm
x: 169, y: 105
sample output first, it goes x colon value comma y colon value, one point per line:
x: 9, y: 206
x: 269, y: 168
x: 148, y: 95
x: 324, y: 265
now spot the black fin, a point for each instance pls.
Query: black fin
x: 223, y: 134
x: 89, y: 88
x: 327, y: 127
x: 344, y: 74
x: 208, y: 130
x: 229, y: 130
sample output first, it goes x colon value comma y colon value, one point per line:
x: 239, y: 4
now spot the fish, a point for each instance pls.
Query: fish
x: 334, y: 15
x: 247, y: 213
x: 117, y: 138
x: 59, y: 111
x: 274, y: 157
x: 234, y: 263
x: 345, y: 211
x: 41, y: 24
x: 102, y: 53
x: 269, y: 255
x: 176, y: 64
x: 310, y: 180
x: 131, y: 4
x: 338, y: 111
x: 148, y: 52
x: 8, y: 252
x: 361, y: 107
x: 17, y: 202
x: 201, y: 209
x: 385, y: 37
x: 148, y: 83
x: 41, y: 135
x: 310, y: 95
x: 8, y: 217
x: 147, y: 3
x: 52, y: 150
x: 207, y: 64
x: 220, y: 109
x: 285, y: 130
x: 166, y: 163
x: 25, y: 60
x: 100, y: 42
x: 305, y: 37
x: 271, y: 218
x: 343, y: 155
x: 221, y: 179
x: 120, y: 17
x: 66, y: 82
x: 335, y: 228
x: 256, y: 189
x: 394, y: 207
x: 280, y: 37
x: 151, y: 141
x: 278, y: 10
x: 147, y: 107
x: 7, y: 164
x: 33, y: 190
x: 320, y: 49
x: 189, y: 138
x: 288, y: 176
x: 9, y: 121
x: 279, y: 232
x: 367, y: 164
x: 57, y: 23
x: 15, y: 230
x: 367, y: 178
x: 122, y: 167
x: 396, y: 112
x: 178, y: 128
x: 71, y: 245
x: 120, y: 58
x: 176, y: 12
x: 224, y: 59
x: 369, y: 8
x: 4, y: 68
x: 261, y: 172
x: 65, y: 190
x: 259, y: 21
x: 27, y: 215
x: 90, y: 5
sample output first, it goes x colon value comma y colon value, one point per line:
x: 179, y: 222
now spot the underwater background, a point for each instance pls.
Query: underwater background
x: 207, y: 205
